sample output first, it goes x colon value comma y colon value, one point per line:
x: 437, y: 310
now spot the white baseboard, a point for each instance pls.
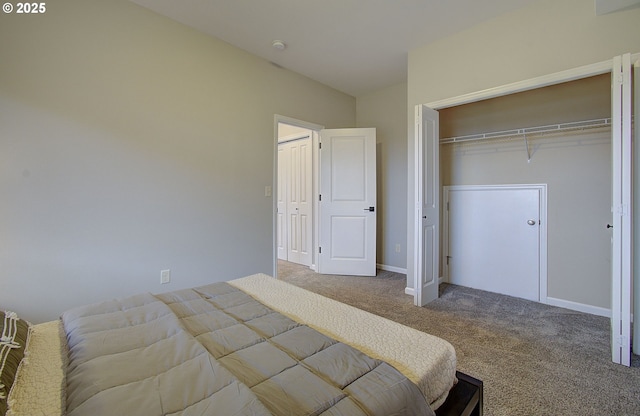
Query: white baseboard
x: 392, y: 268
x: 561, y: 303
x: 409, y: 290
x: 580, y: 307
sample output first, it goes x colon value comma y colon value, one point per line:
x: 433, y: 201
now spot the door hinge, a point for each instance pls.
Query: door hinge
x: 621, y: 341
x: 619, y: 78
x: 320, y: 145
x: 447, y: 206
x: 622, y: 210
x: 319, y: 250
x: 319, y: 197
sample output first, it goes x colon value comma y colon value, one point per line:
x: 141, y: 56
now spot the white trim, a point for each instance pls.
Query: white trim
x: 417, y: 195
x: 295, y: 122
x: 621, y: 259
x: 409, y: 290
x: 559, y: 303
x: 316, y: 203
x: 579, y: 307
x: 528, y: 84
x: 636, y: 213
x: 391, y: 268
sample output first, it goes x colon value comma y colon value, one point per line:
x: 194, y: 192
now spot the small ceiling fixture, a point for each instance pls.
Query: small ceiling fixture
x: 279, y: 45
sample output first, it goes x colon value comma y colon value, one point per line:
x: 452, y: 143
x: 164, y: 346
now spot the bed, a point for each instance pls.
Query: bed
x: 250, y: 346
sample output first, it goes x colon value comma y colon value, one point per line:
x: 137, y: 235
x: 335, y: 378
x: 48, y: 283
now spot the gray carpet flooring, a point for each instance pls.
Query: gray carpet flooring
x: 534, y: 359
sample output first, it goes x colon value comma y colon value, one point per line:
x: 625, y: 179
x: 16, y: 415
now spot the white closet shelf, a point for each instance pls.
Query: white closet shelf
x: 554, y: 128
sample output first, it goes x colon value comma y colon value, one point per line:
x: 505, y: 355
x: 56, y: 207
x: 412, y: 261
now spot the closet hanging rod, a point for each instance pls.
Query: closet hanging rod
x: 574, y: 125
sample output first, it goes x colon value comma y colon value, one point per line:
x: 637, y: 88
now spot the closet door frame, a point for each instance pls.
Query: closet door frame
x: 530, y: 84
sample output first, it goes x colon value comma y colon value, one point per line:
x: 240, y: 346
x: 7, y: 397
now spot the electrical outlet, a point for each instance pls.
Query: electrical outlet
x: 267, y: 190
x: 397, y: 248
x: 165, y: 276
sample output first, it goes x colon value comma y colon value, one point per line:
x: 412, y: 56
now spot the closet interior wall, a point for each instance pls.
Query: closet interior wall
x: 575, y: 165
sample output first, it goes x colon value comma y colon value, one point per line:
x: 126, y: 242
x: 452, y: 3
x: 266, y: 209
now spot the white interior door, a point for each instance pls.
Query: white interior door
x: 427, y: 193
x: 621, y: 259
x: 494, y: 238
x: 299, y: 201
x: 347, y: 234
x: 281, y: 212
x: 295, y: 201
x: 636, y: 212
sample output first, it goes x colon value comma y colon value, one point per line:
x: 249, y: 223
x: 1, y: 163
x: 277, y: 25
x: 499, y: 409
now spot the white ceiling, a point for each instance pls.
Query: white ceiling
x: 355, y: 46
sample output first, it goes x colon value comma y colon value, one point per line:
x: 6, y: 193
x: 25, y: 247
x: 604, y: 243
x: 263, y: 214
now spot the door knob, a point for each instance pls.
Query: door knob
x: 371, y: 209
x: 531, y: 222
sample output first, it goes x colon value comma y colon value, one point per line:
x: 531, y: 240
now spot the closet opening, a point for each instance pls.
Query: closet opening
x: 623, y: 157
x: 559, y: 136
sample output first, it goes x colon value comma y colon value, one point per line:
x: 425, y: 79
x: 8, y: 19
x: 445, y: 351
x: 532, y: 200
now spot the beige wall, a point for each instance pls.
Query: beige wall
x: 130, y: 143
x: 386, y: 111
x: 545, y: 37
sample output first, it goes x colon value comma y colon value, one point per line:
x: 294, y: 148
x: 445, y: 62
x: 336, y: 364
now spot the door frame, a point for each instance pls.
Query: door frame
x: 315, y: 134
x: 622, y: 217
x: 525, y: 85
x: 272, y: 190
x: 499, y: 91
x: 542, y: 259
